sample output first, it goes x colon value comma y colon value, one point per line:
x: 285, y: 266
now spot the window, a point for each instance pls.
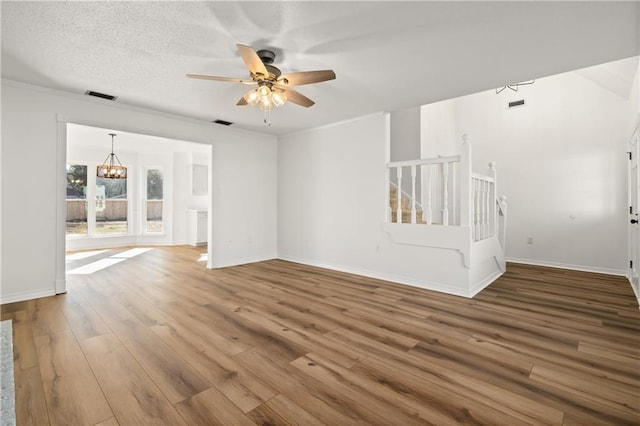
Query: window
x: 111, y: 206
x: 153, y: 203
x: 76, y: 200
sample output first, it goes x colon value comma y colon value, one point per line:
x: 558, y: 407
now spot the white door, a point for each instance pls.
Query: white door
x: 634, y: 227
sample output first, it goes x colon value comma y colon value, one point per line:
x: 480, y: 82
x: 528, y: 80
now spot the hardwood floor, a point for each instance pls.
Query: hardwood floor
x: 159, y: 339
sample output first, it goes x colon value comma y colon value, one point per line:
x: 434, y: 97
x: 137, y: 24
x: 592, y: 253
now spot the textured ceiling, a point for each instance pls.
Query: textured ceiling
x: 387, y: 55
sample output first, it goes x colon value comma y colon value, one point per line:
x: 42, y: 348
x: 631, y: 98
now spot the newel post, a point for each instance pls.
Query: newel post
x: 466, y: 192
x: 493, y: 200
x: 503, y: 231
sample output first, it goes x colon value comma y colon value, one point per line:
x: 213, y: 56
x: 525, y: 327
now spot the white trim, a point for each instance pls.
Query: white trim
x: 60, y: 205
x: 241, y: 261
x: 119, y: 105
x: 595, y: 269
x: 635, y: 291
x: 61, y: 285
x: 26, y: 295
x: 442, y: 288
x: 211, y: 213
x: 477, y: 288
x: 111, y: 241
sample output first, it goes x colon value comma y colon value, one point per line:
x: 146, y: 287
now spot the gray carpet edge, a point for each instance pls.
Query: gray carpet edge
x: 7, y: 383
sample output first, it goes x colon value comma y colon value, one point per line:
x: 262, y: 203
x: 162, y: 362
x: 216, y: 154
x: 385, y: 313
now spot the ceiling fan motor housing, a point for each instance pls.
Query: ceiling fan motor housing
x: 267, y: 57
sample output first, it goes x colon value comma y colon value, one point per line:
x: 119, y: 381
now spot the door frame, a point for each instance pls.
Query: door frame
x: 633, y: 193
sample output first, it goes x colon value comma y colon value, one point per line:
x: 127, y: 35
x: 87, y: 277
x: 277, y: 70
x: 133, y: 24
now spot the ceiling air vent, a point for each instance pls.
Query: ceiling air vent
x: 224, y: 123
x: 518, y: 103
x: 100, y: 95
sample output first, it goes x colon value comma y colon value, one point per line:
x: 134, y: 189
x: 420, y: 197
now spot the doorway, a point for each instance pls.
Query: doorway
x: 148, y: 208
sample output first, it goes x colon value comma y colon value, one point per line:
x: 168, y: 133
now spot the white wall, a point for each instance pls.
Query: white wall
x: 241, y: 207
x: 405, y: 142
x: 634, y: 101
x: 438, y: 125
x: 405, y: 134
x: 561, y: 163
x: 245, y: 201
x: 331, y: 207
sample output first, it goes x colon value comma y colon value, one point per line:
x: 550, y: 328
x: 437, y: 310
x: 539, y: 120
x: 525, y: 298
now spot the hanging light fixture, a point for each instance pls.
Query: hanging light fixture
x: 109, y: 169
x: 265, y: 96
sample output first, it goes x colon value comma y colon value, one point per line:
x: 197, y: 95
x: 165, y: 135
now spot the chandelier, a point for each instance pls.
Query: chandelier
x: 265, y: 96
x: 109, y: 169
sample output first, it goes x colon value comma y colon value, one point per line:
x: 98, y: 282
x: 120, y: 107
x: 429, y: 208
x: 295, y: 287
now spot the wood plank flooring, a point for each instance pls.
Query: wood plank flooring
x: 159, y: 339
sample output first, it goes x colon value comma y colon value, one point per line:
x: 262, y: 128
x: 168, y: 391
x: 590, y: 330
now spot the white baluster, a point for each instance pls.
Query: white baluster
x: 485, y: 197
x: 493, y: 198
x: 413, y: 194
x: 476, y: 210
x: 481, y: 209
x: 445, y: 194
x: 399, y: 195
x: 488, y: 210
x: 429, y: 219
x: 422, y: 188
x: 466, y: 184
x: 454, y: 193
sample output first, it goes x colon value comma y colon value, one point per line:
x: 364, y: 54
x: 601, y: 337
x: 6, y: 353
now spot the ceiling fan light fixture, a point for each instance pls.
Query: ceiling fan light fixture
x: 252, y: 97
x: 278, y: 98
x: 265, y: 103
x: 273, y: 88
x: 264, y: 91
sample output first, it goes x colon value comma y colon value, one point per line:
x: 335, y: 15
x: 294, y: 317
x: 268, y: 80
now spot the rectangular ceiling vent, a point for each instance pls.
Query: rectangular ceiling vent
x: 224, y: 123
x: 518, y: 103
x: 100, y: 95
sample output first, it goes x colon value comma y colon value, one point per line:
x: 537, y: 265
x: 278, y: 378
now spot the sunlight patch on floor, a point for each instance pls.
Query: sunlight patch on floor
x: 94, y: 266
x: 83, y: 255
x: 131, y: 253
x: 101, y: 264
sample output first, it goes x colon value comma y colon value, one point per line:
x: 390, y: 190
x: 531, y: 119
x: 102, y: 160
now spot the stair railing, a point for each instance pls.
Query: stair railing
x: 452, y: 191
x: 444, y: 169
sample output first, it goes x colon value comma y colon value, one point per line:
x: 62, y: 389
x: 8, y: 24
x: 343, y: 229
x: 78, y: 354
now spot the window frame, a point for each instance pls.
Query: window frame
x: 143, y: 201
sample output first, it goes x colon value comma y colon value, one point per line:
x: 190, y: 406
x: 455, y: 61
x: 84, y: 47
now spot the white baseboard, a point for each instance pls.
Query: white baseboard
x: 635, y: 290
x: 582, y: 268
x: 485, y: 283
x: 25, y: 295
x: 442, y: 288
x: 241, y: 261
x: 61, y: 286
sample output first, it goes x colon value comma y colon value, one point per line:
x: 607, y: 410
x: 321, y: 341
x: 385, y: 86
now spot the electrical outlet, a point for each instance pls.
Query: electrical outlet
x: 529, y: 240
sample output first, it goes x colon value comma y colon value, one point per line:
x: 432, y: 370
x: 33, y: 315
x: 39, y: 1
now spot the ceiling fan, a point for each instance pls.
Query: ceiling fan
x: 273, y: 87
